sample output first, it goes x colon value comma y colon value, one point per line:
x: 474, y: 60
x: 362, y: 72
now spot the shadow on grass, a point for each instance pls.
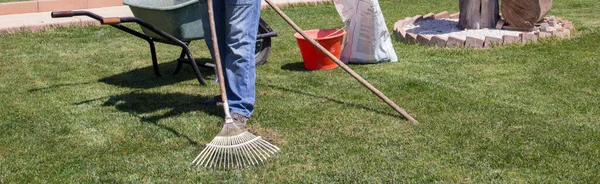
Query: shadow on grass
x: 144, y: 78
x: 58, y: 86
x: 148, y: 107
x: 338, y: 101
x: 297, y: 67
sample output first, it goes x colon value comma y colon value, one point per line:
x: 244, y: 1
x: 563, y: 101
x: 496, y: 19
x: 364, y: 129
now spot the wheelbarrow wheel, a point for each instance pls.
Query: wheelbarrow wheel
x: 263, y: 45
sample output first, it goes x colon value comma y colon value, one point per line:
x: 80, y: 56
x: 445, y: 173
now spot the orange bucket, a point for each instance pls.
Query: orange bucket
x: 330, y: 39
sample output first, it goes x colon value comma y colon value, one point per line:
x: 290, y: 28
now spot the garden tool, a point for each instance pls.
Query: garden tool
x: 234, y: 147
x: 342, y: 65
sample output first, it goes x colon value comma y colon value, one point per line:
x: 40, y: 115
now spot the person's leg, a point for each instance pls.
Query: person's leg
x: 242, y: 25
x: 220, y: 26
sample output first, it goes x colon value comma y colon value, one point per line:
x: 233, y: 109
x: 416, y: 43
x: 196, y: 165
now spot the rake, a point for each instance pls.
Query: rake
x: 233, y: 147
x: 342, y: 65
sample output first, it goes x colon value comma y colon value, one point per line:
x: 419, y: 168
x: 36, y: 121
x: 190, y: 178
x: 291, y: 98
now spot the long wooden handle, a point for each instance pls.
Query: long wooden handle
x: 342, y: 65
x: 217, y: 55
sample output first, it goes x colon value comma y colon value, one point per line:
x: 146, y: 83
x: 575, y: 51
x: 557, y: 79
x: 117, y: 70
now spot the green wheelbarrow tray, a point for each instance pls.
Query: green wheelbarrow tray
x: 175, y: 22
x: 179, y: 18
x: 183, y: 20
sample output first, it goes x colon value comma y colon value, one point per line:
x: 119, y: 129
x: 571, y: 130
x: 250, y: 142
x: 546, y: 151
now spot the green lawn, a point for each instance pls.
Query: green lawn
x: 81, y: 104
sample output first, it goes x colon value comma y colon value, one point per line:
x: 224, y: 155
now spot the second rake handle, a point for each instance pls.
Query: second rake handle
x: 343, y: 66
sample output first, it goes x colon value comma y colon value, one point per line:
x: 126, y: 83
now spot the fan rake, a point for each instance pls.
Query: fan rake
x: 234, y: 147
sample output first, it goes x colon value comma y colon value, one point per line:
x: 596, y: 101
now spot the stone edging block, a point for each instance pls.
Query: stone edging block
x: 562, y: 29
x: 35, y: 6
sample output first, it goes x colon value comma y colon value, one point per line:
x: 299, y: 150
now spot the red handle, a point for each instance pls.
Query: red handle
x: 111, y: 20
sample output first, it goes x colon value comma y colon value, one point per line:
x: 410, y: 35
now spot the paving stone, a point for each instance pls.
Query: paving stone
x: 56, y: 5
x: 438, y: 41
x: 544, y: 34
x: 18, y: 7
x: 509, y: 39
x: 557, y: 33
x: 103, y: 3
x: 442, y: 15
x: 568, y: 26
x: 410, y: 38
x: 455, y: 42
x: 408, y: 21
x: 417, y: 18
x: 472, y: 42
x: 399, y: 31
x: 492, y: 41
x: 399, y: 24
x: 567, y: 33
x: 528, y: 37
x: 544, y: 26
x: 429, y: 16
x: 422, y: 39
x: 455, y: 15
x: 562, y: 33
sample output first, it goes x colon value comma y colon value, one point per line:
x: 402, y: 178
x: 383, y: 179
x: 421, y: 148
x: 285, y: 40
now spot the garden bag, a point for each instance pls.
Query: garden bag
x: 368, y: 39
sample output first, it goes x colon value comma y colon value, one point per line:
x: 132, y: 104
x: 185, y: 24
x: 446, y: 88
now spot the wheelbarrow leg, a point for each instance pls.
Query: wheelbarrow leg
x: 155, y: 61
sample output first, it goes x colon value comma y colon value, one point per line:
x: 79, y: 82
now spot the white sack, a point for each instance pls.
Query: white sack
x: 368, y: 39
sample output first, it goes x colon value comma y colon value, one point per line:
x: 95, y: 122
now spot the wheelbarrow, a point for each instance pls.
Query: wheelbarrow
x: 174, y: 22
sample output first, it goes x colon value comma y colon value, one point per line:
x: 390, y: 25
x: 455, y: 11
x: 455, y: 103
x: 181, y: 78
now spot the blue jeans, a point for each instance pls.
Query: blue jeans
x: 236, y: 22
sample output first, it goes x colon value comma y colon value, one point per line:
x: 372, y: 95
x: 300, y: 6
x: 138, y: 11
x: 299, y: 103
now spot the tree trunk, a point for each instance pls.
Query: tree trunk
x: 525, y: 13
x: 478, y: 14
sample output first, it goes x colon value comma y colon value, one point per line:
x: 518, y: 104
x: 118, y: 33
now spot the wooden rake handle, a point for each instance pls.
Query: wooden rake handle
x: 213, y: 31
x: 342, y: 65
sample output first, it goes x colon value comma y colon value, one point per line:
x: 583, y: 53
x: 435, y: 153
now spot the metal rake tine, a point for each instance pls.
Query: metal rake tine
x: 247, y: 154
x: 207, y: 156
x: 236, y: 159
x: 213, y: 158
x: 227, y: 159
x: 202, y: 156
x: 250, y: 155
x: 277, y: 148
x: 271, y: 146
x: 262, y: 144
x: 198, y: 157
x: 221, y: 156
x: 260, y: 149
x: 256, y: 153
x: 266, y: 147
x: 240, y: 162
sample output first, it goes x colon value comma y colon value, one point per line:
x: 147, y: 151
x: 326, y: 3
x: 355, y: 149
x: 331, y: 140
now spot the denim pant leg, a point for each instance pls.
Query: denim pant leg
x: 236, y: 30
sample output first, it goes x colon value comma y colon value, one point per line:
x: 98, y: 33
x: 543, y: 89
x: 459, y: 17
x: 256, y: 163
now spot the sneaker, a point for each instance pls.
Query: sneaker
x: 239, y: 120
x: 216, y: 100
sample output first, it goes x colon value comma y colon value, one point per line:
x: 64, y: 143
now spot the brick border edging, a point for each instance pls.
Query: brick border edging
x: 35, y: 6
x: 401, y: 34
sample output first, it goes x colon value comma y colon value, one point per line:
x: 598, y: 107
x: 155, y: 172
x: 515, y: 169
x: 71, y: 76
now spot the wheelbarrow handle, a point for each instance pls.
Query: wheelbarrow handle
x: 57, y: 14
x: 110, y: 20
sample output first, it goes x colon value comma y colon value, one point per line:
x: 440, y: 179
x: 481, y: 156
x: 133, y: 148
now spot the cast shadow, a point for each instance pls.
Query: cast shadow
x: 57, y: 86
x: 144, y: 78
x: 295, y: 67
x: 337, y: 101
x: 426, y: 27
x: 145, y: 105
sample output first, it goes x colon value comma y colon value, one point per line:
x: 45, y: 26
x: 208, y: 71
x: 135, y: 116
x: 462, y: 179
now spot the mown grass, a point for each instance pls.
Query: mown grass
x: 82, y: 105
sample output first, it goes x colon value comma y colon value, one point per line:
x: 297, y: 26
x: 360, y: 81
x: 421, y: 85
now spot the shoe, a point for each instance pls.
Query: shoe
x: 239, y: 120
x: 216, y: 100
